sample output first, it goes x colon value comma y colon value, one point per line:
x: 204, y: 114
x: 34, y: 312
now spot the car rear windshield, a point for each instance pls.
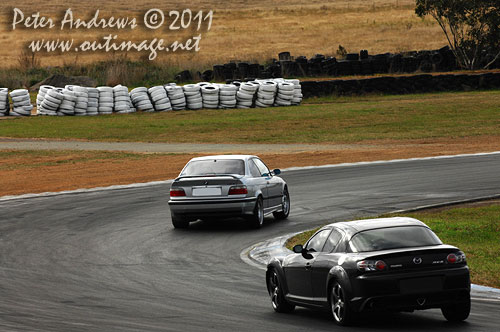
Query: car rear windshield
x: 392, y: 238
x: 214, y: 167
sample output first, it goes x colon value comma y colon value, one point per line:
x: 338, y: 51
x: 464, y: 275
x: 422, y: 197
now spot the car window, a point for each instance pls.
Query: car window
x: 254, y: 171
x: 392, y: 238
x: 333, y: 241
x: 261, y: 166
x: 214, y: 166
x: 317, y: 242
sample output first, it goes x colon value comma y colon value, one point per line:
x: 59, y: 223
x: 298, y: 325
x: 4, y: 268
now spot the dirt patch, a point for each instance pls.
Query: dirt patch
x: 41, y: 171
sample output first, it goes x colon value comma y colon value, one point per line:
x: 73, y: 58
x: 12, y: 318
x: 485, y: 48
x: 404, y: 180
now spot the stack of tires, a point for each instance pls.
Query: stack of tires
x: 68, y: 103
x: 93, y: 101
x: 106, y: 100
x: 266, y: 93
x: 297, y: 92
x: 285, y: 94
x: 177, y: 98
x: 51, y: 102
x: 41, y: 96
x: 227, y: 95
x: 140, y: 99
x: 4, y: 102
x: 21, y: 103
x: 210, y: 96
x: 160, y: 99
x: 82, y: 100
x: 121, y: 99
x: 245, y: 95
x: 194, y: 100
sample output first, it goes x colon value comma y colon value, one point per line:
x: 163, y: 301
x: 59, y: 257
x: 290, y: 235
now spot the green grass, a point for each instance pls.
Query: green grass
x: 320, y: 120
x: 473, y: 229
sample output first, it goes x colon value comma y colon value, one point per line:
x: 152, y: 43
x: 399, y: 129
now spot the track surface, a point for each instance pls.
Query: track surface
x: 111, y: 261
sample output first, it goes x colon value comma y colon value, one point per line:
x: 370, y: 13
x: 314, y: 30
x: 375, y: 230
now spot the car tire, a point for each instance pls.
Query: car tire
x: 257, y: 218
x: 179, y: 222
x: 278, y: 300
x: 457, y: 312
x: 285, y: 203
x: 341, y: 312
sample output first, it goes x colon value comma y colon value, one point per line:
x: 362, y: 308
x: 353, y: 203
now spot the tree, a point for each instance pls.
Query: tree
x: 472, y: 28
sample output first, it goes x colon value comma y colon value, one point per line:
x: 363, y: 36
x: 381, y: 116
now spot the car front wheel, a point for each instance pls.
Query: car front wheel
x: 280, y: 304
x: 342, y: 313
x: 285, y: 206
x: 457, y: 312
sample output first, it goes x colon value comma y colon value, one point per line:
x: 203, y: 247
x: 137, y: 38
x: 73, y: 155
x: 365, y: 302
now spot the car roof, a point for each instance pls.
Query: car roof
x: 356, y: 226
x: 226, y: 156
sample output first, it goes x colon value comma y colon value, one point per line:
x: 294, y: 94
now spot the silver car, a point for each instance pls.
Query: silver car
x: 228, y: 186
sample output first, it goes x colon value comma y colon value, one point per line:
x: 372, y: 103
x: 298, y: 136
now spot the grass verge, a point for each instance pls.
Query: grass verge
x: 351, y: 120
x: 474, y: 228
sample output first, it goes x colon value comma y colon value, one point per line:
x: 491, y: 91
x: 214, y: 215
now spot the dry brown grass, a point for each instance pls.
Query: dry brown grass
x: 40, y: 171
x: 245, y: 30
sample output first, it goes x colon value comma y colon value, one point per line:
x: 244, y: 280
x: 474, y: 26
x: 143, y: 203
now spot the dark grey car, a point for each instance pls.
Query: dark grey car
x: 228, y: 186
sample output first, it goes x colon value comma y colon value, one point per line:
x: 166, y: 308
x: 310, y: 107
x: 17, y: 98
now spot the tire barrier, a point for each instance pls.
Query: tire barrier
x: 159, y: 97
x: 106, y: 100
x: 227, y: 95
x: 141, y: 100
x: 68, y: 103
x: 210, y: 96
x: 361, y: 63
x: 402, y: 84
x: 194, y: 100
x: 73, y: 100
x: 50, y: 102
x: 177, y: 97
x: 93, y: 102
x: 266, y: 93
x: 245, y: 95
x: 21, y: 103
x: 4, y: 102
x: 122, y: 102
x: 285, y: 94
x: 82, y: 100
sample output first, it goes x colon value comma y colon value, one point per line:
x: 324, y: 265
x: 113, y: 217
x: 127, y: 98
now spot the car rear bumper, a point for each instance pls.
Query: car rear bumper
x: 387, y: 293
x: 193, y: 208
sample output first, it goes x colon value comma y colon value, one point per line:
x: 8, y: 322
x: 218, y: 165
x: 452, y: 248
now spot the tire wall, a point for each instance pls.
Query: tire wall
x: 401, y: 84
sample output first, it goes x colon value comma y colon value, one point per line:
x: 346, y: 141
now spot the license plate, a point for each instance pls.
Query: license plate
x: 211, y: 191
x: 421, y: 285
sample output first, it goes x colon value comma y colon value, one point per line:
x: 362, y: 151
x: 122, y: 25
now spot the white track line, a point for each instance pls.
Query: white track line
x: 146, y: 184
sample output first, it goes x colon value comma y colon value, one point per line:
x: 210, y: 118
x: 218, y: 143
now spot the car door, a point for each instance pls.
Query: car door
x: 256, y: 180
x: 298, y: 269
x: 263, y: 180
x: 274, y: 187
x: 328, y: 258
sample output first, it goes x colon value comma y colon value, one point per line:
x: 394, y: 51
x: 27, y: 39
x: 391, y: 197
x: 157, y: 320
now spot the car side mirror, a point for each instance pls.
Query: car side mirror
x: 298, y: 249
x: 277, y: 171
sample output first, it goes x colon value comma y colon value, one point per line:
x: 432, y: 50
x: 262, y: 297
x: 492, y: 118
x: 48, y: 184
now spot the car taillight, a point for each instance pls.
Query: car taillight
x: 371, y: 265
x: 177, y: 192
x: 458, y: 257
x: 238, y: 190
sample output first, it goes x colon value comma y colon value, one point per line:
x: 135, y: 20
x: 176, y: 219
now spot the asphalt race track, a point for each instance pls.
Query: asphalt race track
x: 111, y: 261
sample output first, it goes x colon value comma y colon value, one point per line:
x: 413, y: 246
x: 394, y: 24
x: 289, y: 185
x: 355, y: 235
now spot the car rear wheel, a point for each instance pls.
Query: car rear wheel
x: 280, y: 304
x: 457, y: 312
x: 285, y: 205
x: 257, y: 218
x: 342, y: 313
x: 179, y: 222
